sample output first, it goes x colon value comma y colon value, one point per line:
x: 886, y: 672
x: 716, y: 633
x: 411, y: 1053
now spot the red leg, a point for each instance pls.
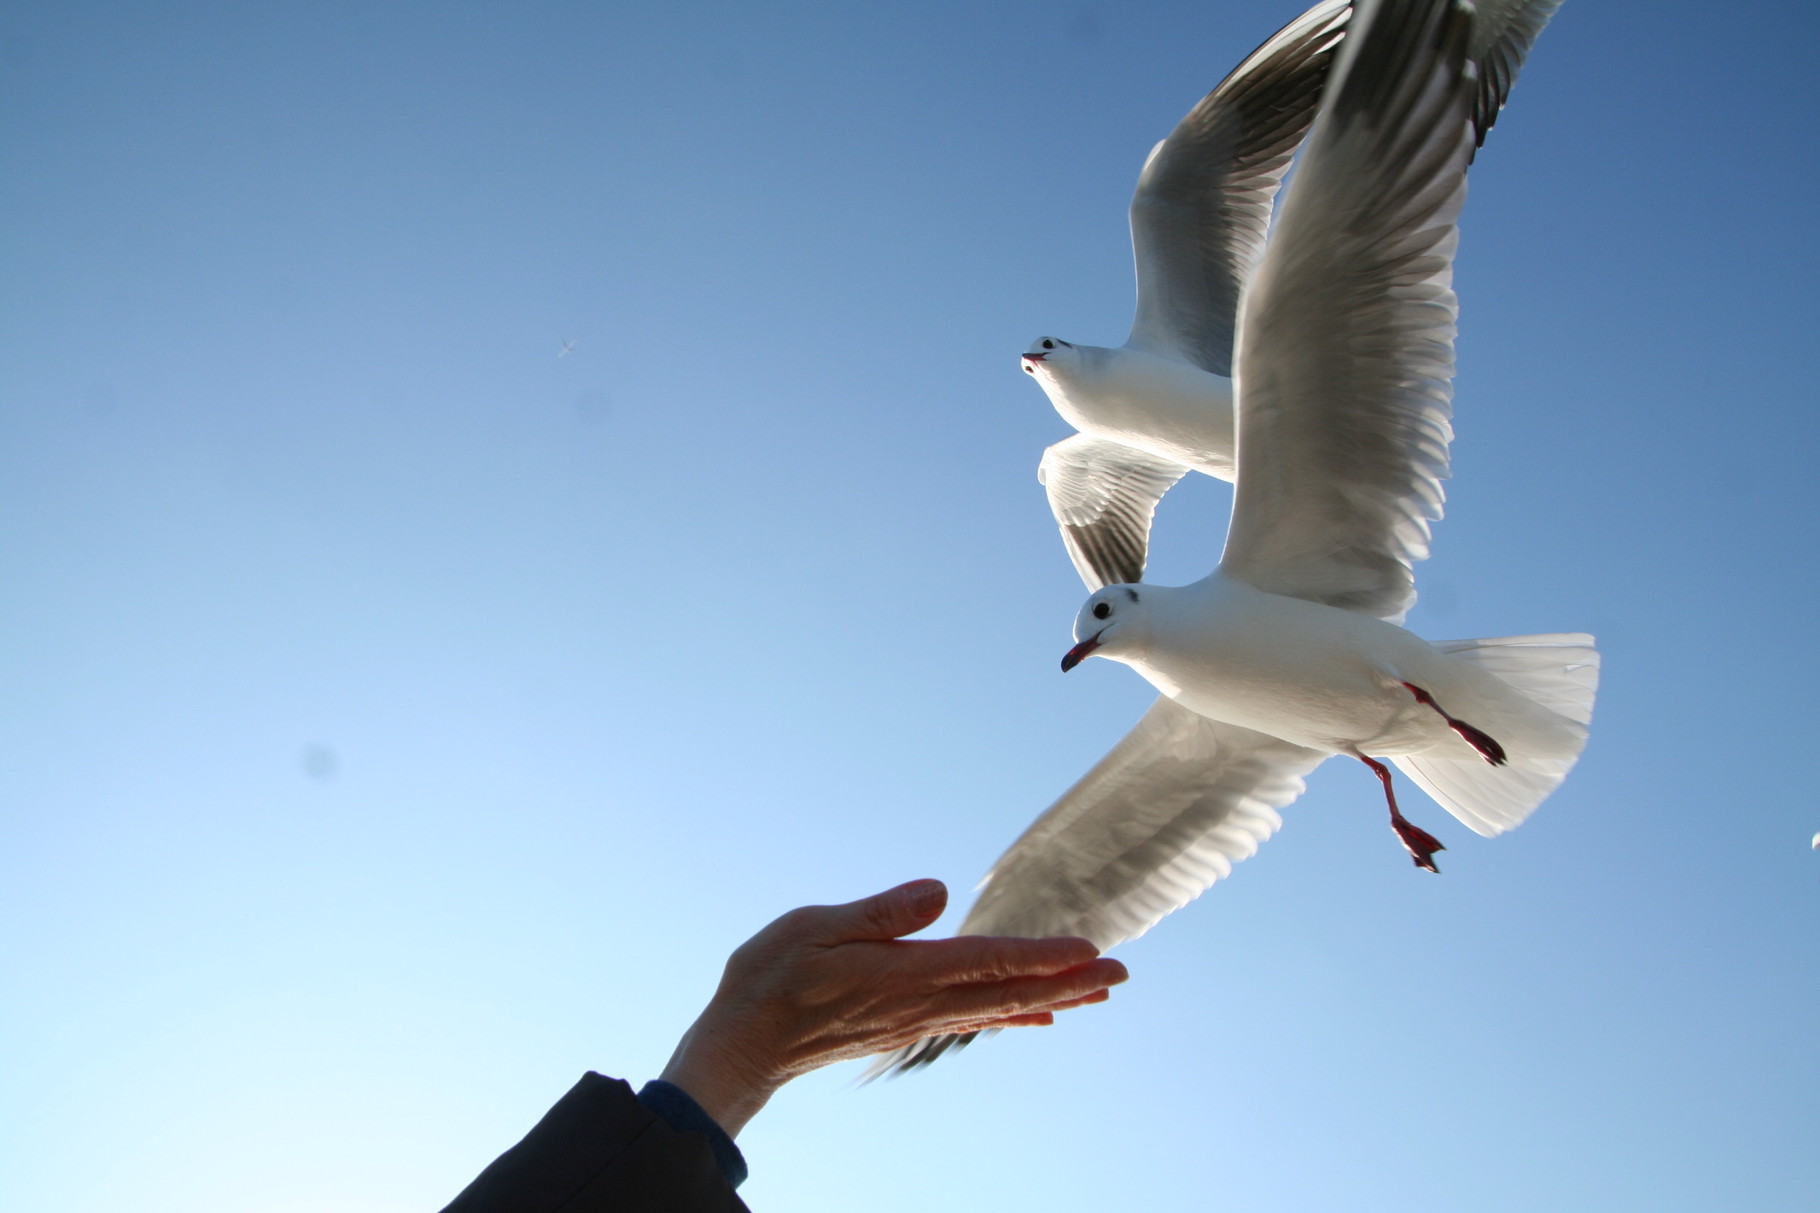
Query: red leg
x: 1420, y: 844
x: 1480, y: 741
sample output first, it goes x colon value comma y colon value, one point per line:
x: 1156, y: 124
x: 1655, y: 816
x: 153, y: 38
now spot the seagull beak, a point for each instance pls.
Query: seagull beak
x: 1035, y: 357
x: 1081, y: 651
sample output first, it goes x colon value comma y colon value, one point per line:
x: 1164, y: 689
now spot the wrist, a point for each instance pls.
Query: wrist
x: 726, y: 1086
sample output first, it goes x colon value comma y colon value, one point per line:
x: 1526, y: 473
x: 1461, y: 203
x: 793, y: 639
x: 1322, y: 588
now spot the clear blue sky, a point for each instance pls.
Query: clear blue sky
x: 397, y: 719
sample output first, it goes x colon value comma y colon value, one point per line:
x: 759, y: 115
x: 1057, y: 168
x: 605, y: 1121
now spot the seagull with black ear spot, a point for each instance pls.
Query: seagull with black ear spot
x: 1099, y: 610
x: 1152, y: 410
x: 1292, y: 651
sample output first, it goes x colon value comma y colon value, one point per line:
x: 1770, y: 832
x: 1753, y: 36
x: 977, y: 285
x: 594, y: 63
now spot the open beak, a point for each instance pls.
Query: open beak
x: 1035, y: 357
x: 1081, y: 651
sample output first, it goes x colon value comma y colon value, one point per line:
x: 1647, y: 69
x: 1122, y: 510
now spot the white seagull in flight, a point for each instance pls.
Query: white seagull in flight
x: 1159, y: 406
x: 1291, y: 652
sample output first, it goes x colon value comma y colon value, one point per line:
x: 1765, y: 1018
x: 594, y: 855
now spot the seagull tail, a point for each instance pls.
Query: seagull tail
x: 1558, y: 673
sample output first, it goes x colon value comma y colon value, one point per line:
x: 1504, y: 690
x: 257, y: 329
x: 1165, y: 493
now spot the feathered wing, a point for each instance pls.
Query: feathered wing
x: 1198, y: 225
x: 1203, y: 199
x: 1202, y: 206
x: 1502, y: 34
x: 1345, y: 349
x: 1103, y: 495
x: 1174, y: 805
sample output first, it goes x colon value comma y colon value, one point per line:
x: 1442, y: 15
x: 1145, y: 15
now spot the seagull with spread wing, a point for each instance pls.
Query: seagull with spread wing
x: 1150, y: 411
x: 1291, y: 651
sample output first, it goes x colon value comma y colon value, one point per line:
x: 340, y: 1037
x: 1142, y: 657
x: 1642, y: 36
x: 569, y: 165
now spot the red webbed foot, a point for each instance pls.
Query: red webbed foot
x: 1477, y: 738
x: 1420, y: 844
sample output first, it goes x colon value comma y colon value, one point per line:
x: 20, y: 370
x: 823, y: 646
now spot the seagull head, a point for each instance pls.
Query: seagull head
x: 1111, y: 622
x: 1048, y: 353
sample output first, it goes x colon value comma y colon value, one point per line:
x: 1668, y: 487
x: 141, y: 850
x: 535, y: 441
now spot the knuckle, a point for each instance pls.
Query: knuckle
x: 803, y: 920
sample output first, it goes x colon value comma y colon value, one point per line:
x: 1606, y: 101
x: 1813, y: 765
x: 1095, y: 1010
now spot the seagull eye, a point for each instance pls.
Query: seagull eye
x: 1101, y: 610
x: 1048, y: 344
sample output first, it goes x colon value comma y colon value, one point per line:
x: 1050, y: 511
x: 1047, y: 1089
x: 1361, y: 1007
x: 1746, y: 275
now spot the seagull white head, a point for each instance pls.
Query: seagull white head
x: 1049, y: 352
x: 1111, y: 622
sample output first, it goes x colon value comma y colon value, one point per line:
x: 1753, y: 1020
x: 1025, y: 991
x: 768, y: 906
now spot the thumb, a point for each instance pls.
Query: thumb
x: 900, y: 911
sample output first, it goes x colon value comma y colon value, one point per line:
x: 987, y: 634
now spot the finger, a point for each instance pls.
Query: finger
x: 1034, y: 1019
x: 1026, y: 994
x: 888, y: 915
x: 1068, y: 1004
x: 984, y: 958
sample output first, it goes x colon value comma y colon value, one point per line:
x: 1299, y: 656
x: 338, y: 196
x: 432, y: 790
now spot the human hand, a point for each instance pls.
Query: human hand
x: 829, y: 983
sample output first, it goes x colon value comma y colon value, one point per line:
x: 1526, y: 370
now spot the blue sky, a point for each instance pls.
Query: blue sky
x: 399, y: 719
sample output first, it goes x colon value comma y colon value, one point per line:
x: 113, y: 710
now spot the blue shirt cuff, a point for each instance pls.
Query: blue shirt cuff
x: 683, y: 1114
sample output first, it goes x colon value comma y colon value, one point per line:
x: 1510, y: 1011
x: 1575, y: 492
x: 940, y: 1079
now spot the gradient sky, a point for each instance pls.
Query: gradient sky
x: 398, y: 719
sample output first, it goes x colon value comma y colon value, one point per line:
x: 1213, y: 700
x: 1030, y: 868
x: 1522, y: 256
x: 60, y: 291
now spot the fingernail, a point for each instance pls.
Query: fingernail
x: 927, y: 895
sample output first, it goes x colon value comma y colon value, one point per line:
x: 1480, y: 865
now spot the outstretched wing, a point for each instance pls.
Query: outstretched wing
x: 1168, y: 812
x: 1103, y: 495
x: 1202, y: 206
x: 1203, y: 199
x: 1345, y: 355
x: 1501, y: 38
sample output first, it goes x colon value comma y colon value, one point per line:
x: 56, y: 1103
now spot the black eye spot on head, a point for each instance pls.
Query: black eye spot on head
x: 1131, y: 593
x: 1101, y: 610
x: 1048, y: 344
x: 1028, y: 369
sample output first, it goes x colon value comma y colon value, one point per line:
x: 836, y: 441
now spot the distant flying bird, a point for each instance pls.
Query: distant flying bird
x: 1159, y: 406
x: 1290, y: 651
x: 566, y: 347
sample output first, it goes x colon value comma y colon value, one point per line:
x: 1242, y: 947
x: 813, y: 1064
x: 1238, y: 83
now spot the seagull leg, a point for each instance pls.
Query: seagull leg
x: 1478, y: 739
x: 1420, y: 844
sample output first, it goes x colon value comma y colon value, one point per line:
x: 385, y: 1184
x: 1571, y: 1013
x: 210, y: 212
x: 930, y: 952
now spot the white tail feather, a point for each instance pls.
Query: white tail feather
x: 1558, y: 673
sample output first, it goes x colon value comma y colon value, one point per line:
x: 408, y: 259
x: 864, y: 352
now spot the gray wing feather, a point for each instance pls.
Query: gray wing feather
x: 1103, y: 495
x: 1344, y: 386
x: 1501, y: 38
x: 1175, y: 804
x: 1202, y: 207
x: 1203, y: 200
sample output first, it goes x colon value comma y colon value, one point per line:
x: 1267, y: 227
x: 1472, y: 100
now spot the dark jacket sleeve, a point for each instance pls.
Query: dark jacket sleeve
x: 600, y: 1149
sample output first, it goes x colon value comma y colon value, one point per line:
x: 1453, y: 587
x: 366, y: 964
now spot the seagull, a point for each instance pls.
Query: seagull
x: 1160, y: 406
x: 1291, y: 650
x: 567, y: 346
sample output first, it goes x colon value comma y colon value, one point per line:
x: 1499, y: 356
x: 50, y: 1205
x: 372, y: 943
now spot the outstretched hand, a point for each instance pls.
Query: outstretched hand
x: 828, y: 983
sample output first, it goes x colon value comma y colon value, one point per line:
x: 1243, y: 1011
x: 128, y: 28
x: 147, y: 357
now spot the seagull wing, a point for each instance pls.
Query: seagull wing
x: 1168, y: 812
x: 1203, y: 199
x: 1103, y: 495
x: 1345, y: 350
x: 1501, y: 38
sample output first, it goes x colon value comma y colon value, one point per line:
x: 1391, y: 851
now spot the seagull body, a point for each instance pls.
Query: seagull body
x: 1161, y: 405
x: 1292, y: 651
x: 1317, y: 676
x: 1334, y: 681
x: 1157, y: 405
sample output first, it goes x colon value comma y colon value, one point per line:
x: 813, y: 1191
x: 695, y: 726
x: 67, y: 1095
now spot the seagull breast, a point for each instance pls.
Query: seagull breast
x: 1162, y: 406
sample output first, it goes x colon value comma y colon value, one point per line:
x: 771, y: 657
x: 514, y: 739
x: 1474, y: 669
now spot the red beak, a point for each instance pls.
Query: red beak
x: 1035, y: 357
x: 1080, y: 652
